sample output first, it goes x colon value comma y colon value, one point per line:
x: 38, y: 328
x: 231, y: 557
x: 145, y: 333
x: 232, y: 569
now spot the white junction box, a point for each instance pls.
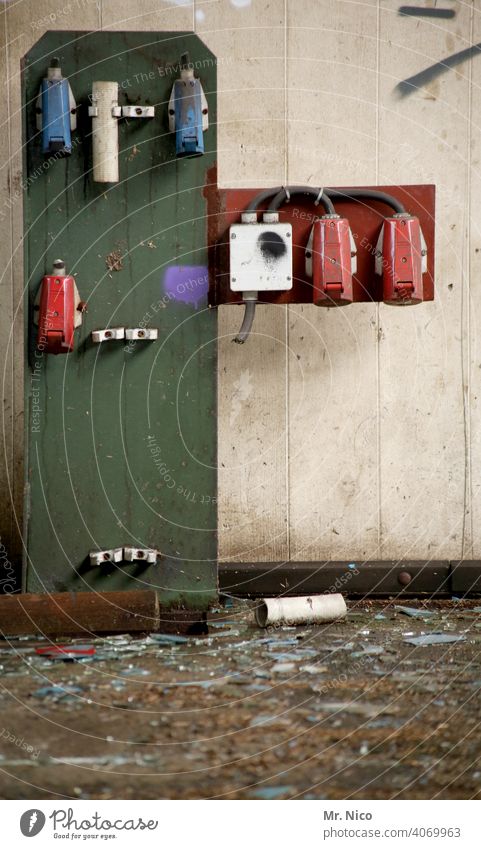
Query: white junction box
x: 260, y: 257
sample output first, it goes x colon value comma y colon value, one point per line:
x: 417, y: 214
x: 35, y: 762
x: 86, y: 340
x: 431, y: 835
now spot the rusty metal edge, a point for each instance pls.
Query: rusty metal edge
x: 375, y: 578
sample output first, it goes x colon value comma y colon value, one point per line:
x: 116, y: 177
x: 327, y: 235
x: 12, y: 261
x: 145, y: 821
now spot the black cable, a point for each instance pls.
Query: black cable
x: 247, y: 323
x: 260, y: 198
x: 353, y: 194
x: 287, y: 192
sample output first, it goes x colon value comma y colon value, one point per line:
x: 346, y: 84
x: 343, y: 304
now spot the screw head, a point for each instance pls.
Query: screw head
x: 404, y: 578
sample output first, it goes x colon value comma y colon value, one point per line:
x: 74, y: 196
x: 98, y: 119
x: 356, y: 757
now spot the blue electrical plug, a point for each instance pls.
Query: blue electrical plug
x: 56, y: 111
x: 188, y: 111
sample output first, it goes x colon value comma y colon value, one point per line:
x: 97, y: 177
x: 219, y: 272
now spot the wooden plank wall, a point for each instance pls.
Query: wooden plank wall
x: 342, y: 434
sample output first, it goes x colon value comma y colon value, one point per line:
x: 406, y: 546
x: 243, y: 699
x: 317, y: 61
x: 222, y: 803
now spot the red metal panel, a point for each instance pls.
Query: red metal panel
x: 365, y: 218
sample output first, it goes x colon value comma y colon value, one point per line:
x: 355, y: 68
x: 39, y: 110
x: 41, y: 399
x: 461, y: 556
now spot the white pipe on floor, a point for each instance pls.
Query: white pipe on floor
x: 105, y: 132
x: 294, y: 611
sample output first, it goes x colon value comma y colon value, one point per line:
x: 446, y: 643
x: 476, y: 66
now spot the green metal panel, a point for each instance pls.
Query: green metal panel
x: 121, y: 438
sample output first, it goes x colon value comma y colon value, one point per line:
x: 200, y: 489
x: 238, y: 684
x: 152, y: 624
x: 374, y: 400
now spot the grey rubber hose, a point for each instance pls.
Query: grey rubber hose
x: 288, y: 191
x: 247, y: 323
x: 372, y: 194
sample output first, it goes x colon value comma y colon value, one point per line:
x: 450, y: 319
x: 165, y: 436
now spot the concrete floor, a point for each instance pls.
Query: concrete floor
x: 345, y: 710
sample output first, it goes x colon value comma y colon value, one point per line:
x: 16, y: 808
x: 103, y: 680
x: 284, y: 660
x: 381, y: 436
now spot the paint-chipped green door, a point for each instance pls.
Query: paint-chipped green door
x: 121, y: 436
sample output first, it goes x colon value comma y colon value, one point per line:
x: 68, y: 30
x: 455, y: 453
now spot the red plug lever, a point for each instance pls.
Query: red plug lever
x: 331, y: 261
x: 58, y: 311
x: 401, y: 260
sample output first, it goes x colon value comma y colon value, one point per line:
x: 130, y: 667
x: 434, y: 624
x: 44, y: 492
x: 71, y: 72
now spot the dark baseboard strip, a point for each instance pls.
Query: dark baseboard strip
x: 374, y: 578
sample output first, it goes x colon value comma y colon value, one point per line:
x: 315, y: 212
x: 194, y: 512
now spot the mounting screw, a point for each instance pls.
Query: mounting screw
x: 232, y: 235
x: 404, y: 578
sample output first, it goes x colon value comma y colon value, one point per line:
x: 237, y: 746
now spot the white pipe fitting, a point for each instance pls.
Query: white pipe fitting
x: 296, y: 611
x: 105, y: 111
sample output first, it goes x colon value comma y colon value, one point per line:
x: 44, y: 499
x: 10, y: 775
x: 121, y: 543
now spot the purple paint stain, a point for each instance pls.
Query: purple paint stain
x: 187, y: 283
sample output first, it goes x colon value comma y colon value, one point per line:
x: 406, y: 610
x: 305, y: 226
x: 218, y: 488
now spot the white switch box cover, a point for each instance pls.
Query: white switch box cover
x: 260, y: 257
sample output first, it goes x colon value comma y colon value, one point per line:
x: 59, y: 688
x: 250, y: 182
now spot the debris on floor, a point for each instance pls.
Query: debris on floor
x: 434, y: 639
x: 364, y: 706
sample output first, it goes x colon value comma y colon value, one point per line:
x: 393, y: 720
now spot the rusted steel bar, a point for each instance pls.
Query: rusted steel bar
x: 79, y: 613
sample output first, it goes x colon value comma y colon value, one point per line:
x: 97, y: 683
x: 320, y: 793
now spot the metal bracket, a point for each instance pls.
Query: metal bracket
x: 108, y: 334
x: 147, y: 334
x: 126, y: 112
x: 117, y: 555
x: 138, y: 112
x: 108, y: 555
x: 148, y: 555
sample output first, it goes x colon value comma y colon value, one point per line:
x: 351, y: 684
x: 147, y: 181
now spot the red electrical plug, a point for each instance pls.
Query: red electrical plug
x: 59, y: 311
x: 331, y: 261
x: 401, y: 260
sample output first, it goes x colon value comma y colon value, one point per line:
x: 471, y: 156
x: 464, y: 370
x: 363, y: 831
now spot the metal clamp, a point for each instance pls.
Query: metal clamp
x: 148, y: 555
x: 108, y: 555
x: 148, y: 334
x: 108, y: 334
x: 138, y: 111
